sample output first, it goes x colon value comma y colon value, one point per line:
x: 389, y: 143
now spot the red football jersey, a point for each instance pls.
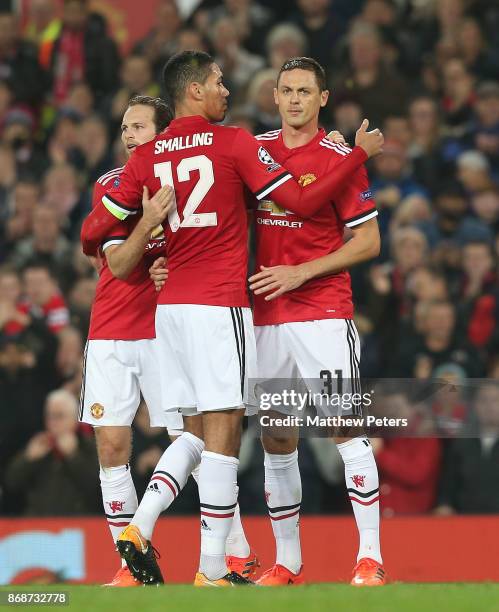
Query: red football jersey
x: 124, y: 309
x: 283, y: 238
x: 207, y: 231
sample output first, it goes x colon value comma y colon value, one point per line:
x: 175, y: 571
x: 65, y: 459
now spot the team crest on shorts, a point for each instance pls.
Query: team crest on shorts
x: 97, y: 411
x: 306, y: 179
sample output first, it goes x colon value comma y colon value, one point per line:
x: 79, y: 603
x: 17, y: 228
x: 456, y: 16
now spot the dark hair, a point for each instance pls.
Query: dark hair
x: 305, y: 63
x: 182, y: 69
x: 162, y: 112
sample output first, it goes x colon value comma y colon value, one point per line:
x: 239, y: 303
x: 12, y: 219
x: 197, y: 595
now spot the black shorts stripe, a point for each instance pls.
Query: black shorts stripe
x: 270, y: 184
x: 282, y: 508
x: 354, y: 373
x: 242, y: 338
x: 237, y: 331
x: 211, y: 507
x: 355, y: 358
x: 168, y: 475
x: 373, y: 492
x: 357, y: 217
x: 83, y: 381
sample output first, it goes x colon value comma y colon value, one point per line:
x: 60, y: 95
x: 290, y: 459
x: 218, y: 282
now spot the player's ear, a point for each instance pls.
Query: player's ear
x: 195, y: 90
x: 276, y: 100
x: 324, y: 97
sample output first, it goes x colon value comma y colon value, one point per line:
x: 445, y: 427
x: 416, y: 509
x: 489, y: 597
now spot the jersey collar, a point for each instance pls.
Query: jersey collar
x: 311, y: 144
x: 181, y: 122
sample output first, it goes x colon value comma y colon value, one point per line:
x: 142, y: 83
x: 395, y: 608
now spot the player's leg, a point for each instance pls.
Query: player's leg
x: 330, y: 349
x: 218, y: 488
x: 182, y: 455
x: 178, y: 460
x: 109, y: 400
x: 283, y: 492
x: 222, y: 354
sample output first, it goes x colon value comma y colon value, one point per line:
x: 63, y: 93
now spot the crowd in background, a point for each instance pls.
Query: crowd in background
x: 424, y: 71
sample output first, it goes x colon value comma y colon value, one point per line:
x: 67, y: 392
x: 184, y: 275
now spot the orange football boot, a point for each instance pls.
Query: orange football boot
x: 368, y: 572
x: 123, y: 578
x: 229, y: 580
x: 278, y: 575
x: 244, y: 566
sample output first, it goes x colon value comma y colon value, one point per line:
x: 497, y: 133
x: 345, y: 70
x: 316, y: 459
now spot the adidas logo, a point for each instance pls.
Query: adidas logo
x: 154, y: 487
x: 204, y: 525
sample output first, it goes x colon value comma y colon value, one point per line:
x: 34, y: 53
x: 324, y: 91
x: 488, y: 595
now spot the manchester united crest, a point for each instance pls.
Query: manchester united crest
x: 97, y: 411
x: 306, y: 179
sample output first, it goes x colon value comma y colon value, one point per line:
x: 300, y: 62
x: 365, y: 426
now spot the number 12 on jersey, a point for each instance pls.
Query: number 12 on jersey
x: 164, y: 171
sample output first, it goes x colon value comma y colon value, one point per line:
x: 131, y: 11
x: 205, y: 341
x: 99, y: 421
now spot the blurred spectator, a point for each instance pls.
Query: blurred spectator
x: 252, y: 20
x: 237, y: 64
x: 83, y: 52
x: 347, y: 117
x: 57, y: 460
x: 392, y: 181
x: 25, y: 198
x: 47, y: 245
x: 483, y: 132
x: 81, y: 297
x: 13, y: 319
x: 62, y: 192
x: 43, y: 298
x: 161, y: 42
x: 43, y: 28
x: 408, y: 466
x: 19, y: 133
x: 472, y: 463
x: 321, y: 25
x: 379, y: 90
x: 474, y: 50
x: 136, y: 79
x: 93, y: 145
x: 436, y: 345
x: 451, y: 222
x: 459, y: 96
x: 473, y: 170
x: 69, y: 359
x: 485, y: 206
x: 63, y: 141
x: 262, y: 108
x: 19, y: 65
x: 80, y: 101
x: 285, y: 40
x: 425, y: 147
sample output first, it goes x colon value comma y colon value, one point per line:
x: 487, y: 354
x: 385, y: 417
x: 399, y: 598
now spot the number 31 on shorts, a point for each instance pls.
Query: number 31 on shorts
x: 203, y: 165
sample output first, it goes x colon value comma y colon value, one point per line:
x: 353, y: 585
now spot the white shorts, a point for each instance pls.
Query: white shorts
x: 321, y: 356
x: 115, y: 373
x: 206, y: 354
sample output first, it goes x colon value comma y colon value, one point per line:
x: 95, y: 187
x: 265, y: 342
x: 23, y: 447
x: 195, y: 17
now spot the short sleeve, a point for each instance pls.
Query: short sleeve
x: 355, y: 204
x: 256, y: 167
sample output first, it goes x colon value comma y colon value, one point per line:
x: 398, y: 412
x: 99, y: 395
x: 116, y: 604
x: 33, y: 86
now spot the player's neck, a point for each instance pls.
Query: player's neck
x: 189, y: 110
x: 297, y: 137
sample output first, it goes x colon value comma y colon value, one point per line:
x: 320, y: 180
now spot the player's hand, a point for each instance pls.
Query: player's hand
x: 159, y: 272
x: 67, y: 443
x: 372, y: 142
x: 277, y: 280
x: 336, y: 137
x: 157, y: 207
x: 38, y: 446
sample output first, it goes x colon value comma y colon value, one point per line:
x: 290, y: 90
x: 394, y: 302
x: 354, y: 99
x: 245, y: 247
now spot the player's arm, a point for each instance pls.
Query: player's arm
x: 122, y: 258
x: 284, y: 190
x: 116, y: 205
x: 364, y: 245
